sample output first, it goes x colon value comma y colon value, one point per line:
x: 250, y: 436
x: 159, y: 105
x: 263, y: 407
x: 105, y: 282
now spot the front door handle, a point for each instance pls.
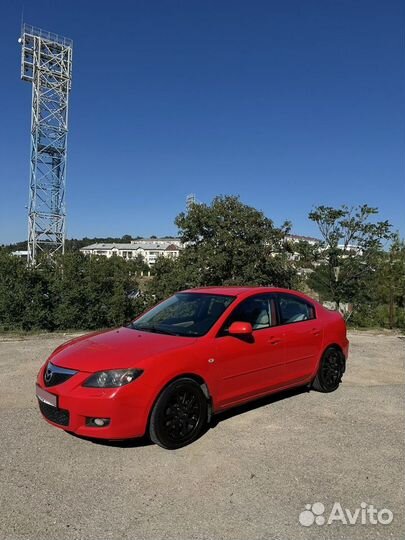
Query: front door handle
x: 274, y: 340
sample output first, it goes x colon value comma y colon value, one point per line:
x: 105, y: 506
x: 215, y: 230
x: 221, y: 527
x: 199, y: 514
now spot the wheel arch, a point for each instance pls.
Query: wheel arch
x: 336, y: 346
x: 188, y: 375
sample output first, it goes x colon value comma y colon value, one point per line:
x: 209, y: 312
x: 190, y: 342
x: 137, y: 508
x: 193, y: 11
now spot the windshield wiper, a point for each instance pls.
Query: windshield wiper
x: 142, y: 328
x: 155, y: 330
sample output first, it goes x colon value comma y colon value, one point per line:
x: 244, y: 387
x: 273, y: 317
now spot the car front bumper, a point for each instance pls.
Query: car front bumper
x: 125, y: 408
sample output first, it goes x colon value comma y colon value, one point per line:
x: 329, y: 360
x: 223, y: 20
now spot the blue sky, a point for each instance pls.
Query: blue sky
x: 289, y: 104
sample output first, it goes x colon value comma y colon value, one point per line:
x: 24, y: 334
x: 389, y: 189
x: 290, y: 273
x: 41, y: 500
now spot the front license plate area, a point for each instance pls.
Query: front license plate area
x: 46, y: 397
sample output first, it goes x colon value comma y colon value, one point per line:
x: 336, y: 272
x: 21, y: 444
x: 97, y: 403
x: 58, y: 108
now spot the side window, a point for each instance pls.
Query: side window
x: 259, y: 311
x: 294, y: 309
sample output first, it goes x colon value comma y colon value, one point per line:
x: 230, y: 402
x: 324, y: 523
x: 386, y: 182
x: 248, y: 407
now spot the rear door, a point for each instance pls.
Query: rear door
x: 248, y: 366
x: 302, y: 336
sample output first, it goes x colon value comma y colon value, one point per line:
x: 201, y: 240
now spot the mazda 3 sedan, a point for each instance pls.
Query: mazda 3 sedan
x: 197, y: 353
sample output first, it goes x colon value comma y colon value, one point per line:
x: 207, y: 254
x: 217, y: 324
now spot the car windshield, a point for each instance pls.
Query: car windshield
x: 184, y: 314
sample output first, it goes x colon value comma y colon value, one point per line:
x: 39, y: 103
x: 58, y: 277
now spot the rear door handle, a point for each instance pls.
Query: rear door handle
x: 315, y: 332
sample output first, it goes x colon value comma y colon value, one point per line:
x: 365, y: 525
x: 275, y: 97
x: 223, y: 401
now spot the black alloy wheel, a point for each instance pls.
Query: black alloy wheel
x: 330, y: 372
x: 179, y: 415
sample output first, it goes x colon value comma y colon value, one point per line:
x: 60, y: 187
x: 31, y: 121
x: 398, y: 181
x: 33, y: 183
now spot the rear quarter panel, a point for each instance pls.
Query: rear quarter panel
x: 334, y: 331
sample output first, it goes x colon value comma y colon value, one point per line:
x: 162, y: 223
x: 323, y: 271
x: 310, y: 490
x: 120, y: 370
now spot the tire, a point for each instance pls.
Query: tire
x: 330, y: 371
x: 179, y: 415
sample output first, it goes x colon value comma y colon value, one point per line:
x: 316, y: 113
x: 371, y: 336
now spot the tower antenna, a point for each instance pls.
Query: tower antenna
x: 46, y: 62
x: 191, y: 199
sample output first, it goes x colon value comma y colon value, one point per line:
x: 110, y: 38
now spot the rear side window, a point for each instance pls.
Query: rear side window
x: 294, y: 309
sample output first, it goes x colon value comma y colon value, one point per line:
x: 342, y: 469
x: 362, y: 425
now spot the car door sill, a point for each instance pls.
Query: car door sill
x: 299, y: 382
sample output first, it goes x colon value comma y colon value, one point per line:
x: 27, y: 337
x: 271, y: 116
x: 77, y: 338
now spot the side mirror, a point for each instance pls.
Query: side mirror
x: 238, y: 328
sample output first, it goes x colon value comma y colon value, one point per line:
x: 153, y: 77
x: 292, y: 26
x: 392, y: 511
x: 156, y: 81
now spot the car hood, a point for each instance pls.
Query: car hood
x: 115, y: 349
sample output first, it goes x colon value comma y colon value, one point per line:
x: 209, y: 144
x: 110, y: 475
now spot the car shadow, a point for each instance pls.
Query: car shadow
x: 256, y: 404
x: 215, y: 420
x: 121, y: 443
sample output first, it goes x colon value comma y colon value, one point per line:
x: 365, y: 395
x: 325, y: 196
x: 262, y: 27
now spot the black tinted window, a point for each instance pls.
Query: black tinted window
x: 293, y: 309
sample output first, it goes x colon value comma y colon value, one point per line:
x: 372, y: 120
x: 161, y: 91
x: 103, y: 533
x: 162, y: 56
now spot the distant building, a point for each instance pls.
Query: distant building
x: 297, y: 238
x: 168, y: 246
x: 149, y: 249
x: 351, y: 249
x: 20, y: 253
x: 162, y: 240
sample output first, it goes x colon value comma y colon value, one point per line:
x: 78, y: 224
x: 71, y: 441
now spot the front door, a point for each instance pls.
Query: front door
x: 248, y: 366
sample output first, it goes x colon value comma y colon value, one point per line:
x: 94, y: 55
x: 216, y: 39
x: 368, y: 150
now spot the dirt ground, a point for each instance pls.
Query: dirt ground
x: 249, y: 477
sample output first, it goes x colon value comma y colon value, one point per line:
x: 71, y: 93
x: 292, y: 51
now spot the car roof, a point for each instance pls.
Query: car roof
x: 237, y: 291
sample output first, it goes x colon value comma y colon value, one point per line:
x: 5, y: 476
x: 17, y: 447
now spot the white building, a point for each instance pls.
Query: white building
x: 20, y: 253
x: 294, y: 238
x: 169, y: 240
x: 150, y: 250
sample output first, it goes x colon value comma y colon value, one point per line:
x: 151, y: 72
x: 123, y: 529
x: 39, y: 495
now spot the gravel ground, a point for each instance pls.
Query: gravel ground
x: 247, y: 478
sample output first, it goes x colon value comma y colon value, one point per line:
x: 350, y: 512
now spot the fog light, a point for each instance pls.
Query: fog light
x: 97, y: 422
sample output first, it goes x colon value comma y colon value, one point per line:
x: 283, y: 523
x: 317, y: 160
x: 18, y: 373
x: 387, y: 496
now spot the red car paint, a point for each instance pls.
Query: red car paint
x: 233, y: 370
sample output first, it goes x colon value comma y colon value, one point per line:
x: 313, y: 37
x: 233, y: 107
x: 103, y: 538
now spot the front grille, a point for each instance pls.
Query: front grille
x: 54, y: 375
x: 56, y: 378
x: 58, y: 416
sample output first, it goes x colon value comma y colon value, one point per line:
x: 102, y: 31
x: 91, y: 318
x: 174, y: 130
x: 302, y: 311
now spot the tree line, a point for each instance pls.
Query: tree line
x: 359, y: 262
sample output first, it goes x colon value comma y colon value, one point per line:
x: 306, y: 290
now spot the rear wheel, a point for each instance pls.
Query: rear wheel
x: 331, y: 369
x: 179, y: 415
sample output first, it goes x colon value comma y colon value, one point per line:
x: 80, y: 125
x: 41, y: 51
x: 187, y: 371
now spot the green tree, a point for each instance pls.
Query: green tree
x: 226, y: 243
x: 306, y: 255
x: 26, y: 301
x: 351, y: 249
x: 74, y: 292
x: 390, y: 283
x: 92, y: 292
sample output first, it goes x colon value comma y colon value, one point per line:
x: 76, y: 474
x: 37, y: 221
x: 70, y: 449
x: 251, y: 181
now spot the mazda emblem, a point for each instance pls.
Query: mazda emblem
x: 48, y: 375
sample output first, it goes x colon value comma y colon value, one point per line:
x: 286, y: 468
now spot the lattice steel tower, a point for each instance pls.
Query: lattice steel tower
x: 46, y: 62
x: 191, y: 199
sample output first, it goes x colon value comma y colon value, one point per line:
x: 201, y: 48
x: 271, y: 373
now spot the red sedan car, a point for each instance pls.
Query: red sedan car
x: 191, y: 356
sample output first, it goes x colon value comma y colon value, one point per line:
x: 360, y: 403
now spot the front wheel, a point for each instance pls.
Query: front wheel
x: 330, y: 371
x: 179, y: 415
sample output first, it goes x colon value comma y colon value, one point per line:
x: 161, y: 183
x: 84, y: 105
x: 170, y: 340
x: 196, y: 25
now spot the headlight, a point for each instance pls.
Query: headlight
x: 112, y: 379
